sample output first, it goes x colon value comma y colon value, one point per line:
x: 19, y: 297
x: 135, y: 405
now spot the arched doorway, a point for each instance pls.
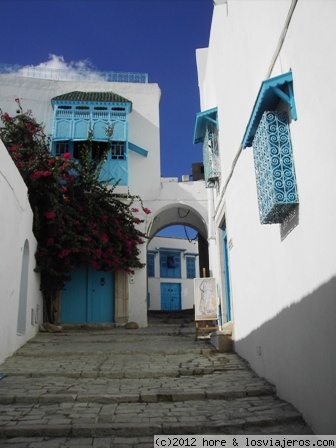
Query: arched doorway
x: 177, y: 252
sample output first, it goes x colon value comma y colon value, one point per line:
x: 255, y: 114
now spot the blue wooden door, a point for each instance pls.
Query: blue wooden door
x: 88, y: 297
x: 74, y: 298
x: 170, y: 296
x: 102, y: 303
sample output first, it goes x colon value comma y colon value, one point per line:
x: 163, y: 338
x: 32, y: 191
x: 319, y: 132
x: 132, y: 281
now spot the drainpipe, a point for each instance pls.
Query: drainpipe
x: 282, y: 38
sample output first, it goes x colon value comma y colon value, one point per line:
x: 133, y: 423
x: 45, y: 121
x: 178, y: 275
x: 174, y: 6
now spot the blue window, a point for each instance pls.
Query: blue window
x: 269, y: 135
x: 206, y: 132
x: 274, y: 166
x: 191, y: 267
x: 99, y: 119
x: 170, y: 264
x: 150, y: 265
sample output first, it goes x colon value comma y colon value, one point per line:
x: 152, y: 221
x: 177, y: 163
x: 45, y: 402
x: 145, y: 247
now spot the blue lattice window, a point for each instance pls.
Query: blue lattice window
x: 268, y: 132
x: 274, y: 167
x: 206, y: 132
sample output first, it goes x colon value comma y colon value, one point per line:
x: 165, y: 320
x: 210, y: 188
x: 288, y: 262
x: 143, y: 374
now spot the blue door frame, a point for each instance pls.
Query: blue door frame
x: 88, y: 297
x: 226, y: 273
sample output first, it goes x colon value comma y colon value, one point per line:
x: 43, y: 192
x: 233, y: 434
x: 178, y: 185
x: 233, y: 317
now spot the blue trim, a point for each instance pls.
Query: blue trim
x: 271, y: 92
x: 91, y: 104
x: 200, y: 125
x: 226, y: 274
x: 137, y: 149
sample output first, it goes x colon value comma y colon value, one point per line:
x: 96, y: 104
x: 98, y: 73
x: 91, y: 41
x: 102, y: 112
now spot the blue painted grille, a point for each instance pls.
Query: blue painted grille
x: 274, y: 168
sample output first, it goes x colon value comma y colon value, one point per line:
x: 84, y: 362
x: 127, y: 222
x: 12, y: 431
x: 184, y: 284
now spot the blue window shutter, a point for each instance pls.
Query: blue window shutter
x: 170, y: 264
x: 191, y: 269
x: 274, y: 168
x: 150, y: 265
x: 206, y: 132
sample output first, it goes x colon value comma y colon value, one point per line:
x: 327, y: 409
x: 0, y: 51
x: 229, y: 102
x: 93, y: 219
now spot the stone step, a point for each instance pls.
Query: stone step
x: 82, y: 442
x: 47, y: 389
x: 81, y: 419
x: 123, y: 365
x: 293, y: 428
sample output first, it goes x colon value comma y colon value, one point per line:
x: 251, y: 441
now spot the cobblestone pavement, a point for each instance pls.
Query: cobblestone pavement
x: 113, y: 387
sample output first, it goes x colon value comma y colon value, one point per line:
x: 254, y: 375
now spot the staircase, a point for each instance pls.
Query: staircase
x: 117, y: 387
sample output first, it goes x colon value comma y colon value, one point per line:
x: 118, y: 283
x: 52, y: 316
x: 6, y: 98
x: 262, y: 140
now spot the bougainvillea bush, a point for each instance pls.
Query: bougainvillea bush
x: 77, y: 220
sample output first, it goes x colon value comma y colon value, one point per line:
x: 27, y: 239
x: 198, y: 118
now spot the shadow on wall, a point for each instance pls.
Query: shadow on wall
x: 296, y: 352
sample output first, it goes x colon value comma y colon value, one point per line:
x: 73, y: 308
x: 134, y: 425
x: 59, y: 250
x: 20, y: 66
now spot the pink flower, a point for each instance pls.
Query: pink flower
x: 50, y: 215
x: 104, y: 237
x: 146, y: 210
x: 37, y: 174
x: 99, y: 253
x: 14, y: 148
x: 63, y: 253
x: 134, y: 209
x: 6, y: 117
x: 46, y: 173
x: 50, y: 241
x: 66, y: 155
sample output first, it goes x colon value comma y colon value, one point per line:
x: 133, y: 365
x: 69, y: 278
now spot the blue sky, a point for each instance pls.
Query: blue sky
x: 158, y: 37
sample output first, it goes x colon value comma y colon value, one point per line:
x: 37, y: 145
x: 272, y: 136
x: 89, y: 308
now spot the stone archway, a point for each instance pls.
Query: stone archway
x: 175, y: 203
x: 178, y: 214
x: 184, y: 204
x: 184, y: 214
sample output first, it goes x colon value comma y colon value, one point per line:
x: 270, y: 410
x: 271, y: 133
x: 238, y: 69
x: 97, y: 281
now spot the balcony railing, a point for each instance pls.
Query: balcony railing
x: 70, y: 74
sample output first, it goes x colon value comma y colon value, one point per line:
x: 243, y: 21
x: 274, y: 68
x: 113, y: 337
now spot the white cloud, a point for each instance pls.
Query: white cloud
x: 58, y: 69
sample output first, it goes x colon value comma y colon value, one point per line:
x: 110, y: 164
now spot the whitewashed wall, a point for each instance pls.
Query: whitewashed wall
x: 18, y: 281
x: 187, y: 285
x: 282, y: 290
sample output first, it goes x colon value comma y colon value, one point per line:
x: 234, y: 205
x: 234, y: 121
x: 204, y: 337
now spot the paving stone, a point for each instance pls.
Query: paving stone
x: 112, y: 388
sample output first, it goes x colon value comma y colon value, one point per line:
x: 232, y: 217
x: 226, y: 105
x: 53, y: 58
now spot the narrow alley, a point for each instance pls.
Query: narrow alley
x: 117, y: 387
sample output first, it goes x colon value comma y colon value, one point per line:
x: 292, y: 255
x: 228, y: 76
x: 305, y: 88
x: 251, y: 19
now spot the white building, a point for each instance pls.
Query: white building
x: 72, y: 108
x: 20, y: 297
x: 272, y: 190
x: 172, y: 265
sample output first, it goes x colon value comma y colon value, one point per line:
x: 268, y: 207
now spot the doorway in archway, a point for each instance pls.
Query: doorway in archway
x: 172, y: 266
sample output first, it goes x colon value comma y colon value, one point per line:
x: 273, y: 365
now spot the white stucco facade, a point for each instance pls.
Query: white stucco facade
x: 170, y: 201
x: 282, y: 281
x: 20, y: 297
x: 185, y: 249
